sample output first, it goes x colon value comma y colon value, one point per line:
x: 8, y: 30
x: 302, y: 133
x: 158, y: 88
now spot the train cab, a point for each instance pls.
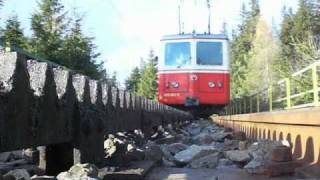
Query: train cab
x: 194, y: 71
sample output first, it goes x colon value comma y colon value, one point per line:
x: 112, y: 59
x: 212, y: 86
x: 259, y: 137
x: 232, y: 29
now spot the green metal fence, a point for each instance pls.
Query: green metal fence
x: 299, y: 90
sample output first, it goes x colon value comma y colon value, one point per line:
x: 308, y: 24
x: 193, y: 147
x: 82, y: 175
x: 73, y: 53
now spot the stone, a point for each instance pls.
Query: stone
x: 224, y: 162
x: 255, y: 167
x: 168, y: 163
x: 17, y: 174
x: 203, y: 139
x: 153, y: 152
x: 6, y: 156
x: 209, y: 161
x: 238, y: 156
x: 281, y: 154
x: 193, y: 129
x: 168, y: 139
x: 239, y: 135
x: 230, y: 145
x: 308, y: 172
x: 220, y: 136
x: 35, y: 177
x: 193, y: 152
x: 109, y: 147
x: 243, y: 145
x: 275, y: 169
x: 176, y: 147
x: 136, y: 171
x: 80, y: 171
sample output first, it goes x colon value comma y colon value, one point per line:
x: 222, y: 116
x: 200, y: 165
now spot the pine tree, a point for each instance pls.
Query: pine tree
x: 133, y: 80
x: 78, y: 52
x: 48, y: 26
x: 13, y: 33
x: 113, y: 81
x: 148, y: 85
x: 241, y: 46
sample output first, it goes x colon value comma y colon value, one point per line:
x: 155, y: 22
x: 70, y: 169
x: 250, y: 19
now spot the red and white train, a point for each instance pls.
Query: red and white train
x: 194, y: 73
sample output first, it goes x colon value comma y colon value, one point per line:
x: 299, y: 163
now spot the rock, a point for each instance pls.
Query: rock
x: 166, y: 153
x: 192, y: 153
x: 308, y: 172
x: 238, y: 156
x: 168, y: 139
x: 255, y: 167
x: 209, y: 161
x: 281, y: 154
x: 176, y: 147
x: 109, y: 147
x: 243, y: 145
x: 80, y: 171
x: 35, y: 177
x: 203, y: 139
x: 220, y: 136
x: 225, y: 162
x: 136, y: 155
x: 230, y: 145
x: 239, y: 135
x: 153, y: 152
x: 275, y: 169
x: 168, y: 163
x: 6, y: 156
x: 17, y: 174
x: 194, y: 129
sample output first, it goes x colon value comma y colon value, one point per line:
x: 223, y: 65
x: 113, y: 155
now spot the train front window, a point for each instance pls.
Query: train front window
x: 209, y: 53
x: 177, y: 54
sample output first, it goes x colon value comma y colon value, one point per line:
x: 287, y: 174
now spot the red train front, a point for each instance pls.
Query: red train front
x: 194, y: 72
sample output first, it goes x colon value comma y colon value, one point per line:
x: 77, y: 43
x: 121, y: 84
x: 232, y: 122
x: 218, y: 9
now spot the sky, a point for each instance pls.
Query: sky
x: 126, y: 30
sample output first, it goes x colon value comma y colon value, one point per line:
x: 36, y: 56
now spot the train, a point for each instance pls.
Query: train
x: 194, y: 72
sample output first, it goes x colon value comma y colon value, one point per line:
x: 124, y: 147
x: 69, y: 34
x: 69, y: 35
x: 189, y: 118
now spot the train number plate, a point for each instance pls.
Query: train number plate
x: 171, y: 94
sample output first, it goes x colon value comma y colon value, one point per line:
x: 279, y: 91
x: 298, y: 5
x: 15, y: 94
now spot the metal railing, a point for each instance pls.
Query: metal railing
x: 299, y: 90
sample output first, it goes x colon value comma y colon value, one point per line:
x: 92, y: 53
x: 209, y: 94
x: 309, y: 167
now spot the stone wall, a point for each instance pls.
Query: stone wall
x: 42, y: 104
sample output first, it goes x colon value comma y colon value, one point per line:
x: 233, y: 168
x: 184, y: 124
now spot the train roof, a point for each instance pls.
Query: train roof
x: 194, y: 36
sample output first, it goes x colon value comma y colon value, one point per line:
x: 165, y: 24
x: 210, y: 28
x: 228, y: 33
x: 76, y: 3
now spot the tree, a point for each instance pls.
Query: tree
x: 78, y: 52
x: 241, y: 46
x: 148, y: 86
x: 48, y: 26
x: 262, y: 58
x: 13, y: 33
x: 133, y: 80
x: 113, y: 80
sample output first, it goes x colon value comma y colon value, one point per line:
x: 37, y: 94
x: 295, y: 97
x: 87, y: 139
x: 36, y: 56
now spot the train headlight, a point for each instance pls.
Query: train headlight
x: 220, y: 84
x: 211, y: 84
x: 175, y: 84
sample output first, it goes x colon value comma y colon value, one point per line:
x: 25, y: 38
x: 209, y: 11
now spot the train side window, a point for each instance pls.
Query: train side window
x: 177, y: 54
x: 209, y: 53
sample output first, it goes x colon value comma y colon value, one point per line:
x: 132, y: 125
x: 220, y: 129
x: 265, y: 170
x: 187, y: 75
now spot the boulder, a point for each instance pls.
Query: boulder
x: 255, y: 167
x: 224, y: 162
x: 109, y: 147
x: 6, y: 156
x: 80, y: 171
x: 220, y: 136
x: 238, y: 156
x: 203, y: 139
x: 153, y: 152
x: 193, y: 129
x: 193, y: 152
x: 209, y: 161
x: 17, y: 174
x: 176, y: 147
x: 239, y: 135
x: 35, y: 177
x: 243, y: 145
x: 230, y: 145
x: 281, y: 154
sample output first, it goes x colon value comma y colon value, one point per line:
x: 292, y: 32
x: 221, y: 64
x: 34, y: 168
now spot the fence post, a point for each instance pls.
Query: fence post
x: 270, y: 98
x: 288, y: 92
x: 315, y: 86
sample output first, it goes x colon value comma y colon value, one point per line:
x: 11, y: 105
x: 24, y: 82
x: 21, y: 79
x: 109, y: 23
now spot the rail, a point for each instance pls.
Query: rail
x: 299, y: 90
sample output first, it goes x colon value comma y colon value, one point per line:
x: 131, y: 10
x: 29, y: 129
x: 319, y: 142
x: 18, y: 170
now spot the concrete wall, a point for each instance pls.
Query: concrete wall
x: 42, y: 104
x: 301, y: 127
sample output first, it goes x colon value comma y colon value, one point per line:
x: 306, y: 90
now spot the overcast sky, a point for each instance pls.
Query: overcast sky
x: 125, y: 30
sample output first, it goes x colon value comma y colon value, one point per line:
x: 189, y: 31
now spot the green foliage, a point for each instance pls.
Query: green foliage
x: 13, y: 33
x: 241, y: 46
x: 78, y: 53
x: 60, y: 39
x: 133, y: 80
x: 48, y: 26
x: 148, y: 85
x: 113, y: 80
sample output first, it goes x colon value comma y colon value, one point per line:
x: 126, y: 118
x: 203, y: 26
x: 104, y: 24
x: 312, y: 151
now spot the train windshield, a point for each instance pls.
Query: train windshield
x: 177, y: 54
x: 209, y: 53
